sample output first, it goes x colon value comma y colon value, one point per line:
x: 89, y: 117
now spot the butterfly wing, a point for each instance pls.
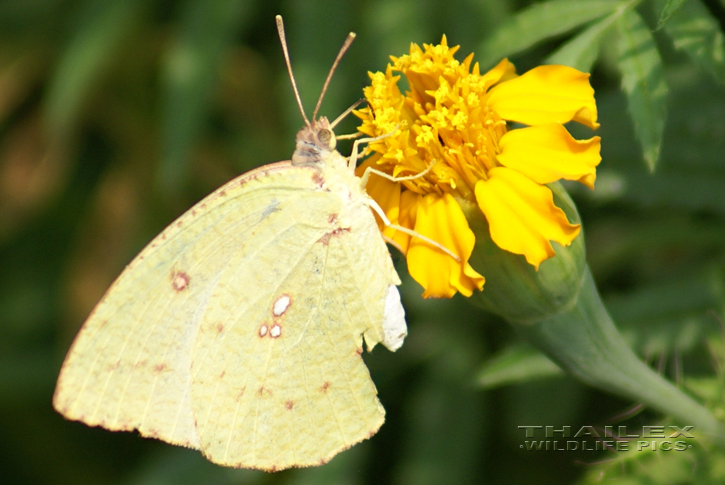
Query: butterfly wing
x: 302, y: 392
x: 238, y: 329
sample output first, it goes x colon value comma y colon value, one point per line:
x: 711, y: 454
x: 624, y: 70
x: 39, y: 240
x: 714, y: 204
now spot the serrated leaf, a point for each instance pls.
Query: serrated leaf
x: 581, y: 51
x: 669, y: 7
x: 643, y: 82
x: 541, y: 21
x: 516, y: 364
x: 695, y: 31
x: 191, y: 69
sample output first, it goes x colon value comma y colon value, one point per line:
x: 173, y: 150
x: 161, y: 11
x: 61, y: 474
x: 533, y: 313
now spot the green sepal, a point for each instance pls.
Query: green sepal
x: 584, y: 341
x: 513, y: 288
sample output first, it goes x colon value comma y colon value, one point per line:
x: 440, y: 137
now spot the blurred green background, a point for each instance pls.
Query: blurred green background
x: 117, y: 115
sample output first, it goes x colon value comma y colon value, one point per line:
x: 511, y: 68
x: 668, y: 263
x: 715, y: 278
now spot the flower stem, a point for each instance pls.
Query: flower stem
x: 583, y: 340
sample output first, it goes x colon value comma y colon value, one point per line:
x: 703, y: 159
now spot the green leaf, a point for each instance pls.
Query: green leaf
x: 581, y: 51
x: 644, y: 84
x: 104, y: 26
x: 516, y: 364
x: 539, y: 22
x: 695, y: 31
x: 670, y: 7
x: 191, y: 69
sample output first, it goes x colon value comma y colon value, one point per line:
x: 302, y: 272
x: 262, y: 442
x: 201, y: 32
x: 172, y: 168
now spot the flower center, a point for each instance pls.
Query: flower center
x: 442, y: 126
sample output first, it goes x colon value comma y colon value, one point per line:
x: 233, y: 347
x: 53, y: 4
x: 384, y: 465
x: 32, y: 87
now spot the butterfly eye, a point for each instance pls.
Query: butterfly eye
x: 325, y: 136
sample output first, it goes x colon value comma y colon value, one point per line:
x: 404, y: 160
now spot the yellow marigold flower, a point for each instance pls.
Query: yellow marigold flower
x: 452, y: 128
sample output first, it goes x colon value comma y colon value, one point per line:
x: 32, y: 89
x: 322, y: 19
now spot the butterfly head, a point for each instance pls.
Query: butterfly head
x: 314, y: 142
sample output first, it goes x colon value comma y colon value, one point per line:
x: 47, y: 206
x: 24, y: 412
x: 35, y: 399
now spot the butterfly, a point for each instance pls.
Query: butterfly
x: 239, y: 329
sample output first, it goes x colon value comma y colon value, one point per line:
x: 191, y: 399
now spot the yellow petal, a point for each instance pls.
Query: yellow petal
x: 522, y: 216
x: 503, y: 71
x: 441, y: 219
x: 547, y: 153
x: 546, y: 94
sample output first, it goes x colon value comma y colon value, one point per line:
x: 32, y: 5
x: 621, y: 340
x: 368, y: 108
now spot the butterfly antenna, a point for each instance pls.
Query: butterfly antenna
x: 283, y: 41
x: 343, y: 49
x: 346, y: 112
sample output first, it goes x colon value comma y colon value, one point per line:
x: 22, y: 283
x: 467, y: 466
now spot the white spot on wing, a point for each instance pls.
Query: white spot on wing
x: 275, y: 331
x: 263, y: 330
x: 281, y: 305
x: 394, y: 329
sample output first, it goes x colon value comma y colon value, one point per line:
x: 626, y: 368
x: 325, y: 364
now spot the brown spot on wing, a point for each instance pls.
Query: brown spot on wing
x: 325, y: 239
x: 318, y: 179
x: 332, y: 218
x: 324, y: 387
x: 289, y: 404
x: 179, y: 280
x: 159, y: 368
x: 219, y: 328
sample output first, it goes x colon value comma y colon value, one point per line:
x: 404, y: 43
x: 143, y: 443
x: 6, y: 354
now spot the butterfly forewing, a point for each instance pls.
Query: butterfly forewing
x: 129, y: 366
x: 238, y: 330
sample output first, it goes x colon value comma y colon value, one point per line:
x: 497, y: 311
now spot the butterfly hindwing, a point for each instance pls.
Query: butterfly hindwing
x: 292, y: 388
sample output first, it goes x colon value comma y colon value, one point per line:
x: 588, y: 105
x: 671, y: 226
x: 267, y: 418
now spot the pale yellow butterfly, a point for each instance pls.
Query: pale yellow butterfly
x: 239, y: 329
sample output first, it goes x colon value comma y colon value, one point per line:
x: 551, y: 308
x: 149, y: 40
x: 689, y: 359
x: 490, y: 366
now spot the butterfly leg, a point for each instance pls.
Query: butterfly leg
x: 352, y: 161
x: 351, y: 136
x: 392, y: 178
x: 393, y: 243
x: 379, y: 211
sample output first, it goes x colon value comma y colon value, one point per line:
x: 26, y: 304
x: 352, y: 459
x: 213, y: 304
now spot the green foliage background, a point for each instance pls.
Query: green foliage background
x: 117, y: 115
